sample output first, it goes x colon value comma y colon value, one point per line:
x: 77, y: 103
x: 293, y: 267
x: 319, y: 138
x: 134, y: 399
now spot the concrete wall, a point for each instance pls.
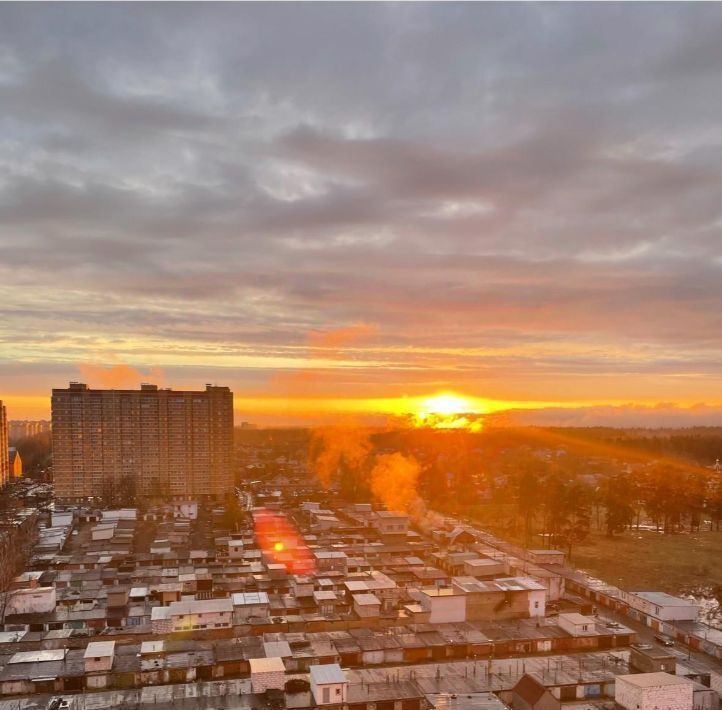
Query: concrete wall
x: 261, y: 682
x: 31, y: 601
x: 336, y: 693
x: 568, y: 623
x: 244, y: 612
x: 202, y: 620
x: 715, y: 678
x: 670, y: 697
x: 444, y: 609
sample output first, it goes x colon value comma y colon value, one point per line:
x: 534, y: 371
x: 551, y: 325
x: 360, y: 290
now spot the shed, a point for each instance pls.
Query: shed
x: 329, y: 684
x: 267, y: 674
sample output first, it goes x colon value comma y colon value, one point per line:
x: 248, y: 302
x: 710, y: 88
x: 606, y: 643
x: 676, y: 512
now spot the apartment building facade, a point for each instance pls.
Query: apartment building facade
x: 4, y: 450
x: 158, y: 442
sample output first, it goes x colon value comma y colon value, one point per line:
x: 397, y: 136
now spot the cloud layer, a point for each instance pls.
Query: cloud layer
x: 520, y: 201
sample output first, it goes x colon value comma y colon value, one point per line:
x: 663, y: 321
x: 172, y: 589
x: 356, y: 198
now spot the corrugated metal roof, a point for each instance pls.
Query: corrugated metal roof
x: 98, y: 649
x: 327, y: 673
x: 37, y: 656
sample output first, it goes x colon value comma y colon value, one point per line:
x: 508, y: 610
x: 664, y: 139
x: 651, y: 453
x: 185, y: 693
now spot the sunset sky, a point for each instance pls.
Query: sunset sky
x: 330, y: 207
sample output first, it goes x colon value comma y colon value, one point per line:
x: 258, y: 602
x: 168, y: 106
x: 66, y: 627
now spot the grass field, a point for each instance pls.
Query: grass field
x: 652, y: 561
x: 641, y: 560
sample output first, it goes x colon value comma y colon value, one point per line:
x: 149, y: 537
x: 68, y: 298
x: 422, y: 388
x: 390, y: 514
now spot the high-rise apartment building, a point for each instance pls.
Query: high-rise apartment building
x: 4, y: 452
x: 158, y: 442
x: 21, y: 429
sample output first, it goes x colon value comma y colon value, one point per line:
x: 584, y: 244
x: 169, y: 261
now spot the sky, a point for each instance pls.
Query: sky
x: 330, y: 207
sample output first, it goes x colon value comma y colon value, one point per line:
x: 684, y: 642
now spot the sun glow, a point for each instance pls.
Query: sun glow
x: 448, y: 410
x: 446, y: 404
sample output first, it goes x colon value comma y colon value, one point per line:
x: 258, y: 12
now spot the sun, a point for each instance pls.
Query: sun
x: 446, y: 404
x: 448, y: 410
x: 278, y: 547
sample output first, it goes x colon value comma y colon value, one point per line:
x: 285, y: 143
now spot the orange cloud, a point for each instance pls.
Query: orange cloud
x: 332, y: 343
x: 118, y: 376
x: 340, y: 337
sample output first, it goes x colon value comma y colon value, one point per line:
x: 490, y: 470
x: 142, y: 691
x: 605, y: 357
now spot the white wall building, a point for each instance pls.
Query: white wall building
x: 235, y: 549
x: 98, y: 656
x: 446, y: 606
x: 329, y: 685
x: 391, y: 522
x: 98, y: 662
x: 662, y: 606
x: 199, y: 614
x: 577, y: 624
x: 653, y: 691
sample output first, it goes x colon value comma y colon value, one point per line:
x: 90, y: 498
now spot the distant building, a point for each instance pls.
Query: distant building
x: 662, y: 606
x: 15, y: 463
x: 22, y: 429
x: 4, y: 453
x: 157, y: 442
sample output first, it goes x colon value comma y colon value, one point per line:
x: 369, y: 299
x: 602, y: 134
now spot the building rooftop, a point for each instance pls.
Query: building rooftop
x: 200, y: 606
x: 663, y: 599
x: 249, y: 598
x: 327, y: 673
x: 267, y: 665
x: 441, y: 592
x: 654, y: 680
x: 57, y: 654
x: 366, y: 599
x: 575, y: 618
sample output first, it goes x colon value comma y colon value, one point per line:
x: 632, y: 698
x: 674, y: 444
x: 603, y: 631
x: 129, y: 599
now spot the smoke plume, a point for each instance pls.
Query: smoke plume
x: 394, y: 481
x: 336, y: 446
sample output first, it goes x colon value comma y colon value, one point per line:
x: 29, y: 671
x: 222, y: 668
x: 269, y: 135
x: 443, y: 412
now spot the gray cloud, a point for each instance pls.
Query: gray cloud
x: 463, y: 175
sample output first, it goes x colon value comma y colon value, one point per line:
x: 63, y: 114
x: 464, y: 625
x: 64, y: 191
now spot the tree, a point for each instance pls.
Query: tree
x: 618, y: 496
x: 528, y: 484
x: 233, y: 513
x: 665, y: 495
x: 575, y: 514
